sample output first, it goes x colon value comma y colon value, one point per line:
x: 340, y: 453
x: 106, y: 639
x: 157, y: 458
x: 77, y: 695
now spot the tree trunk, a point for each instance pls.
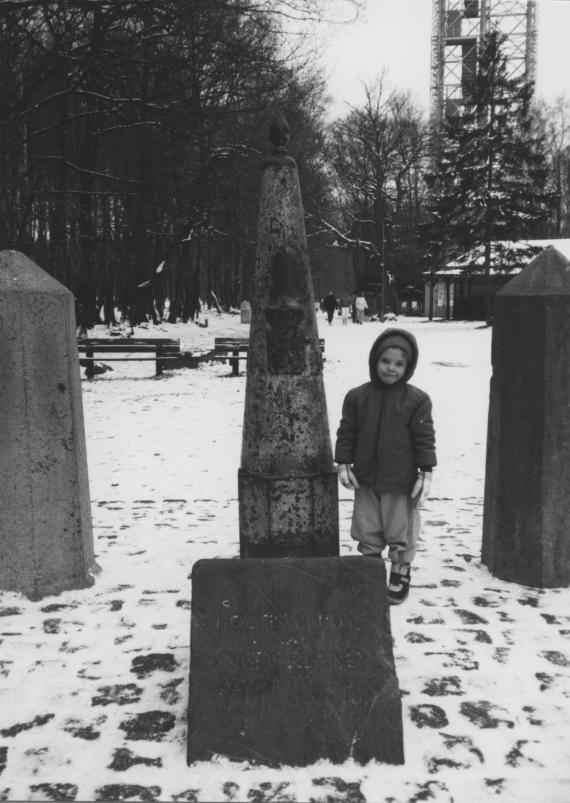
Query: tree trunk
x: 59, y: 261
x: 86, y: 290
x: 140, y: 299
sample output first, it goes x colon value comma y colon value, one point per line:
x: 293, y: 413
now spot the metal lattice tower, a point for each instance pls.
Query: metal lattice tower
x: 458, y: 26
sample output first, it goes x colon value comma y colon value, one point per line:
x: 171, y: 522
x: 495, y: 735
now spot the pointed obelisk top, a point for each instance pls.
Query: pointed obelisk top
x: 547, y: 275
x: 278, y: 142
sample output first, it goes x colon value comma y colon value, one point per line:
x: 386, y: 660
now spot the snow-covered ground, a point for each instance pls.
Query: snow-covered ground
x: 93, y: 683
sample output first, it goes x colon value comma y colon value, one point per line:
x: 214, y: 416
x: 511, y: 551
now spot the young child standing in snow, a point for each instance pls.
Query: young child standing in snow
x: 385, y: 449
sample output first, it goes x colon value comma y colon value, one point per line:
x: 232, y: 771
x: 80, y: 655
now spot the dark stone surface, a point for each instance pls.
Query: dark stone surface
x: 526, y: 538
x: 285, y: 340
x: 285, y: 517
x: 291, y: 661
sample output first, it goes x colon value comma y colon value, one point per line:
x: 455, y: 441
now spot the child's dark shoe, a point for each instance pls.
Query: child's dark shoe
x: 399, y: 583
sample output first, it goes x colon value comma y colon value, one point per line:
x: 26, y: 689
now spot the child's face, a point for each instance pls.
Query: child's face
x: 391, y: 365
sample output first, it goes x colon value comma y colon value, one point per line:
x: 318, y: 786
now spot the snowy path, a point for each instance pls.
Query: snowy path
x: 93, y: 684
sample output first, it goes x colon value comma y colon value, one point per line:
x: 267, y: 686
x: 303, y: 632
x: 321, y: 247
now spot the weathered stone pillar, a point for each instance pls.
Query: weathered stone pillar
x: 526, y: 523
x: 288, y: 490
x: 46, y: 542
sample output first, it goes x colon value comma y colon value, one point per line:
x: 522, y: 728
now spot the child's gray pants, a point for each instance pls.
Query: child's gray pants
x: 388, y: 519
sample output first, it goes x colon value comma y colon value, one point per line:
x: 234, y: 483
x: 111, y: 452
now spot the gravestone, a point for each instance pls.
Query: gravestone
x: 291, y: 651
x: 526, y: 521
x: 292, y: 662
x: 245, y: 312
x: 46, y: 540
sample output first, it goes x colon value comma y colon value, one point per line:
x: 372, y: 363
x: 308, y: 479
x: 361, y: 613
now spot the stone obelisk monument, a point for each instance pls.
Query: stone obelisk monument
x: 526, y: 520
x: 291, y: 651
x: 288, y: 488
x: 46, y: 541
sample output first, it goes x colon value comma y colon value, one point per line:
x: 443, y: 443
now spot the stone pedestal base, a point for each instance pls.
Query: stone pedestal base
x: 295, y: 516
x: 291, y: 662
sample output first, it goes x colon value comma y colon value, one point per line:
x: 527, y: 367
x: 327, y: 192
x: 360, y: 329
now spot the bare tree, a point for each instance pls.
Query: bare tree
x: 555, y: 121
x: 376, y: 154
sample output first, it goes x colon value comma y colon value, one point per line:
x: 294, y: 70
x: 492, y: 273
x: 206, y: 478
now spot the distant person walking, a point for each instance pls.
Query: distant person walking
x: 345, y: 308
x: 361, y: 307
x: 385, y: 449
x: 329, y: 305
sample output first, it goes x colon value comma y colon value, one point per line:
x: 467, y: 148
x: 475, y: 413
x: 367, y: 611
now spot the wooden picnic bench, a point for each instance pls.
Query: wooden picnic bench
x: 234, y: 349
x: 163, y: 348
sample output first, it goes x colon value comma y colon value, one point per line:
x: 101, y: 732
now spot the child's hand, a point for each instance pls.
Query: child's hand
x: 421, y: 489
x: 347, y: 478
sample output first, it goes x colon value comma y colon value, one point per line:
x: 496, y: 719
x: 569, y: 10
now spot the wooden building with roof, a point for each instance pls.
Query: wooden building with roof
x: 456, y: 291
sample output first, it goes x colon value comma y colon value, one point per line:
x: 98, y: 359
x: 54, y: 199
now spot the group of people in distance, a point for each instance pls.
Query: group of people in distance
x: 355, y: 306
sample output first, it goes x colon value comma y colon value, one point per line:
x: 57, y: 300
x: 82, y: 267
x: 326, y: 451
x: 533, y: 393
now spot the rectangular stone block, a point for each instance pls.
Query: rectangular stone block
x: 295, y: 516
x: 291, y: 661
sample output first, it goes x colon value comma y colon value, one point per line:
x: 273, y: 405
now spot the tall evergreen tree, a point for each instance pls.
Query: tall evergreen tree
x: 490, y: 183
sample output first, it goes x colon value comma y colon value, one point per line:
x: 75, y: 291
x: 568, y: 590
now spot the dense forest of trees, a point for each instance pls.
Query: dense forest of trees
x: 127, y: 131
x: 130, y: 139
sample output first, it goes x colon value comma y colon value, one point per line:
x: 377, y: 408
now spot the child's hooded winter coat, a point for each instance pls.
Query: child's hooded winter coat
x: 386, y: 431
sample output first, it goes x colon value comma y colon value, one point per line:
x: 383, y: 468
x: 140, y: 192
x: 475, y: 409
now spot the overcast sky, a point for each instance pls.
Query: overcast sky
x: 396, y: 35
